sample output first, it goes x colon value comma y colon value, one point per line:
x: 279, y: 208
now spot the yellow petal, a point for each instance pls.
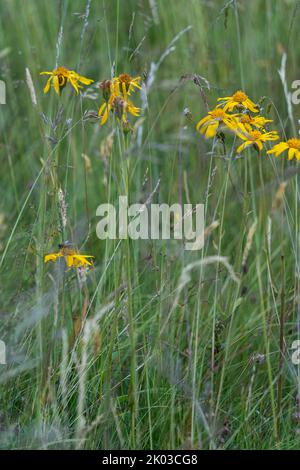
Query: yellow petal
x: 250, y: 105
x: 56, y: 84
x: 101, y: 109
x: 84, y: 80
x: 47, y: 86
x: 244, y: 145
x: 211, y: 130
x: 259, y: 144
x: 52, y: 257
x: 69, y: 260
x: 202, y: 121
x: 291, y: 153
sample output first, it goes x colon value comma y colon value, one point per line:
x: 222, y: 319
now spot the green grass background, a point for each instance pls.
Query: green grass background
x: 130, y: 361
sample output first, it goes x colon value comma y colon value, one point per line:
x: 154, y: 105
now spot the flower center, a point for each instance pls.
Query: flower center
x: 239, y: 96
x: 125, y: 78
x: 61, y: 71
x: 294, y: 143
x: 254, y: 135
x: 246, y: 119
x: 218, y: 114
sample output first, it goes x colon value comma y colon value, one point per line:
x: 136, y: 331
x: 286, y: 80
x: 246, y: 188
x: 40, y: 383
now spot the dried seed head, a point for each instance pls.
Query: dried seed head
x: 82, y: 275
x: 62, y: 209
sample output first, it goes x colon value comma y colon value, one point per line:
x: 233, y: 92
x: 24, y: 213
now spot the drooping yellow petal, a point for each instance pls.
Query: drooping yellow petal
x: 250, y: 105
x: 202, y: 121
x: 69, y: 260
x: 243, y: 146
x: 211, y: 130
x: 291, y: 153
x: 84, y: 80
x: 74, y: 84
x: 47, y: 86
x: 259, y: 144
x: 56, y: 84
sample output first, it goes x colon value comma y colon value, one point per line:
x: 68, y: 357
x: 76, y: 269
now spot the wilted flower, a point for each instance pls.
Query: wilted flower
x: 60, y: 76
x: 292, y: 145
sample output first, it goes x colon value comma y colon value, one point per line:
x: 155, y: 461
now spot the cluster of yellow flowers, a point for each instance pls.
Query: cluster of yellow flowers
x: 236, y: 113
x: 239, y: 114
x: 116, y: 93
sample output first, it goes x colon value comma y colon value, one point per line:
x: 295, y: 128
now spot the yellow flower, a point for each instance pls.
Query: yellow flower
x: 238, y: 99
x: 60, y: 76
x: 255, y: 138
x: 209, y: 124
x: 120, y: 106
x: 292, y: 145
x: 126, y: 84
x: 247, y: 122
x: 72, y: 258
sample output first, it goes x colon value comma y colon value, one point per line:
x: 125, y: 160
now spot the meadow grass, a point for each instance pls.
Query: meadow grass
x: 152, y: 351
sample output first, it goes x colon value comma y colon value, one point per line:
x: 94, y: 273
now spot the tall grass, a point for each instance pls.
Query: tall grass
x: 160, y: 348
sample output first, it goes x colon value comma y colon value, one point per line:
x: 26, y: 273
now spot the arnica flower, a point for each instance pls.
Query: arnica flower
x: 248, y: 122
x: 292, y: 145
x: 117, y: 103
x: 73, y: 259
x: 209, y: 124
x: 255, y: 138
x: 59, y: 78
x: 240, y: 100
x: 126, y: 84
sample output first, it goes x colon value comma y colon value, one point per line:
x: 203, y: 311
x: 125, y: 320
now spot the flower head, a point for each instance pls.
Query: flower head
x: 256, y: 138
x: 292, y: 145
x: 115, y: 101
x: 126, y: 84
x: 209, y: 125
x: 59, y: 78
x: 247, y: 122
x: 240, y: 100
x: 72, y: 258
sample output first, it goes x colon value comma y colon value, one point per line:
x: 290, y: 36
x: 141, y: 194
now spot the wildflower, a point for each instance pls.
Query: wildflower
x: 238, y: 99
x: 247, y: 122
x: 126, y: 84
x: 292, y: 145
x: 72, y: 258
x: 115, y: 94
x: 209, y: 124
x: 59, y: 78
x: 255, y: 138
x: 120, y: 106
